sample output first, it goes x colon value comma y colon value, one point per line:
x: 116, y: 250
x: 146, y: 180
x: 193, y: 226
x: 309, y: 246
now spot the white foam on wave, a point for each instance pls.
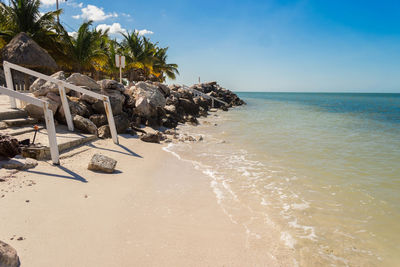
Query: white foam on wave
x: 288, y: 240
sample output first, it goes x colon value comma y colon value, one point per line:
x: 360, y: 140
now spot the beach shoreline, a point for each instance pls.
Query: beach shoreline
x: 145, y: 214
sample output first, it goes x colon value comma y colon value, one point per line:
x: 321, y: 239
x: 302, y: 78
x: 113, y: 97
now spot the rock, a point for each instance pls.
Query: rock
x: 148, y: 98
x: 170, y: 109
x: 189, y: 107
x: 55, y: 97
x: 150, y: 138
x: 88, y: 99
x: 84, y: 124
x: 121, y: 123
x: 111, y: 84
x: 164, y: 89
x: 98, y: 119
x: 8, y: 256
x: 76, y: 108
x: 49, y: 86
x: 102, y: 163
x: 83, y: 80
x: 104, y: 132
x: 199, y: 138
x: 9, y: 146
x: 19, y: 164
x: 116, y: 100
x: 37, y: 112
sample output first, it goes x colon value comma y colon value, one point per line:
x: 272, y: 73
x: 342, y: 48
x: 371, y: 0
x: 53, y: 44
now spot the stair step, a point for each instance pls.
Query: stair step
x: 66, y: 140
x: 9, y: 114
x: 16, y: 131
x: 20, y: 122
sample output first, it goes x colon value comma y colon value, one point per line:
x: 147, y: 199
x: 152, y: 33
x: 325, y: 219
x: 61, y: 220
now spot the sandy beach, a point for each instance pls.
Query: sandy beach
x: 155, y: 211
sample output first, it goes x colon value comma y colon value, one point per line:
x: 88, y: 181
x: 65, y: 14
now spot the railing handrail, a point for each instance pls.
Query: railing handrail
x: 61, y: 86
x: 204, y: 95
x: 48, y: 114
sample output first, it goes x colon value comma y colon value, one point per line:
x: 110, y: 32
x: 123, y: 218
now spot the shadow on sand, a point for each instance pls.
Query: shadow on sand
x: 71, y: 174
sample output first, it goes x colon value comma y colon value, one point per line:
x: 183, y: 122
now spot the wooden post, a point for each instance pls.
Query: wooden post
x: 10, y: 85
x: 65, y: 106
x: 51, y: 132
x: 110, y: 118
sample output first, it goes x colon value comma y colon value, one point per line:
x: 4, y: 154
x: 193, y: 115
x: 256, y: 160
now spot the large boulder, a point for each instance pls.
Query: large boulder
x: 189, y: 106
x: 8, y: 256
x: 107, y: 84
x: 151, y: 138
x: 117, y: 101
x: 98, y: 119
x: 148, y: 98
x: 121, y: 123
x: 76, y: 108
x: 40, y: 89
x: 9, y: 146
x: 102, y: 163
x: 84, y: 124
x: 83, y: 80
x: 37, y: 112
x: 104, y: 132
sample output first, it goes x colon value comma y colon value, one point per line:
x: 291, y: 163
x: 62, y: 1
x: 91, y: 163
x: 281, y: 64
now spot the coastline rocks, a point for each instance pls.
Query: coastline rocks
x: 8, y: 256
x: 111, y: 84
x: 188, y: 106
x: 37, y: 112
x: 104, y: 132
x: 117, y: 101
x: 84, y: 124
x: 98, y: 119
x: 150, y: 138
x: 41, y: 89
x: 148, y: 99
x: 121, y: 123
x: 9, y: 146
x: 102, y: 163
x: 83, y: 80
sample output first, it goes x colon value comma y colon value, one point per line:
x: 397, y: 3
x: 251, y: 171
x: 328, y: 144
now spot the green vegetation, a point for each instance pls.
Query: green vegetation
x: 90, y: 51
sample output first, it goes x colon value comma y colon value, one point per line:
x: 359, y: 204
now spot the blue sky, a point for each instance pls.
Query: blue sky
x: 264, y: 45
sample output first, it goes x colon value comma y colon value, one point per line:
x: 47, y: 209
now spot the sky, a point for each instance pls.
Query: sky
x: 262, y: 45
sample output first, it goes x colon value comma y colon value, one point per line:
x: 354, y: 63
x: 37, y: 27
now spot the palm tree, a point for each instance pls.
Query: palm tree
x: 87, y: 49
x: 132, y: 46
x: 24, y: 16
x: 161, y: 66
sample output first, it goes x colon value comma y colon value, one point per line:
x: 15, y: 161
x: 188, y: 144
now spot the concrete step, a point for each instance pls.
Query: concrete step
x: 10, y: 114
x: 66, y: 140
x: 20, y: 122
x: 15, y: 131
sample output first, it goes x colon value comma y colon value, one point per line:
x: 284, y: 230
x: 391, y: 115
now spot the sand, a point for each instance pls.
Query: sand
x: 154, y: 211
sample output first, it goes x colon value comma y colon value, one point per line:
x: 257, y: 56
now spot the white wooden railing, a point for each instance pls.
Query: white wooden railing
x: 61, y: 87
x: 48, y: 115
x: 197, y: 93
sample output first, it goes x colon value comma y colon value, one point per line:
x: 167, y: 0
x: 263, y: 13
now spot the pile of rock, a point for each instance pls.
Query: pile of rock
x: 145, y: 103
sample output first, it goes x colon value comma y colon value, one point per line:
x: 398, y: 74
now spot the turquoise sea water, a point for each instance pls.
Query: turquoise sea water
x: 315, y: 174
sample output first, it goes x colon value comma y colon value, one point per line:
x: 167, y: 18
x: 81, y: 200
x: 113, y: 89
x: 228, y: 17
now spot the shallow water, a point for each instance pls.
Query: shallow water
x: 317, y: 173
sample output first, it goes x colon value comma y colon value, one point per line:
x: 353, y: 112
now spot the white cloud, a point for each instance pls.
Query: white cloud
x: 72, y: 3
x: 144, y: 32
x: 75, y: 4
x: 48, y: 2
x: 115, y: 28
x: 73, y: 34
x: 94, y: 13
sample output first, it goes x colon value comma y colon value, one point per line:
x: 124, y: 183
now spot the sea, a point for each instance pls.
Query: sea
x: 315, y: 174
